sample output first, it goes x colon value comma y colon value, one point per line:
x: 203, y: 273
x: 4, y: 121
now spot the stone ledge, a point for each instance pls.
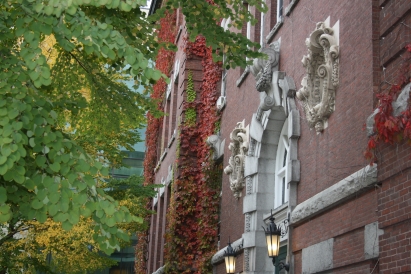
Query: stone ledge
x: 334, y: 195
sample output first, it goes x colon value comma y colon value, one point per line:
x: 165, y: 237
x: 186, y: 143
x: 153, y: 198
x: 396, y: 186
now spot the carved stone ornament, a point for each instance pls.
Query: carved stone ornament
x: 217, y: 146
x: 318, y: 87
x: 262, y: 69
x: 238, y: 146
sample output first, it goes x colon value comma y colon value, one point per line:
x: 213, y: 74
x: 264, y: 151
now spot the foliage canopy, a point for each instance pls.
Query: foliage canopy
x: 64, y: 111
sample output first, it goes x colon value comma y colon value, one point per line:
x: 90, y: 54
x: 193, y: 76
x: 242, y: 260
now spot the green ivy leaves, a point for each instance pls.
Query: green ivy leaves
x: 191, y: 93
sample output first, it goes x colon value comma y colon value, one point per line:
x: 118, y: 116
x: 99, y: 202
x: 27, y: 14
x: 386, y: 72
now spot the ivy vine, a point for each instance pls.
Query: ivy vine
x: 387, y: 127
x: 191, y: 238
x: 191, y: 93
x: 164, y: 63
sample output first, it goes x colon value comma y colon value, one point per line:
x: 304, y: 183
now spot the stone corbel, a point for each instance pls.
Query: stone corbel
x: 318, y: 87
x: 238, y: 146
x: 283, y: 87
x: 263, y: 68
x: 217, y: 145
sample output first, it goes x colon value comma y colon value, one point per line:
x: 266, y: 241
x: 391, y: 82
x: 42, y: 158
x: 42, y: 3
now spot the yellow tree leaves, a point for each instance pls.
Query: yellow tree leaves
x: 62, y: 251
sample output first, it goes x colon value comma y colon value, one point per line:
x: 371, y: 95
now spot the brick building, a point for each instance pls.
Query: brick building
x: 291, y: 140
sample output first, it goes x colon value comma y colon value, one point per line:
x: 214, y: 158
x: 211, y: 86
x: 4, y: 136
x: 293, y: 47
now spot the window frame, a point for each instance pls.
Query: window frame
x: 280, y: 10
x: 281, y: 189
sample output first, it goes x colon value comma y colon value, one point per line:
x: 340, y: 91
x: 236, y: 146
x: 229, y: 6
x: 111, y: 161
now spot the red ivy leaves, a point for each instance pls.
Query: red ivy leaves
x: 389, y: 128
x: 164, y: 63
x: 192, y: 226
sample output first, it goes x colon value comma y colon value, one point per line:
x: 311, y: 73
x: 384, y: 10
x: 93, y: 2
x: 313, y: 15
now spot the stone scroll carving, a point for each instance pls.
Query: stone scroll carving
x: 263, y: 69
x: 318, y: 87
x: 238, y: 146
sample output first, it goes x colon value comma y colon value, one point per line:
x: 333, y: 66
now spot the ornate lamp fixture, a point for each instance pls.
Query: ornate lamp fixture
x: 272, y: 237
x: 229, y: 255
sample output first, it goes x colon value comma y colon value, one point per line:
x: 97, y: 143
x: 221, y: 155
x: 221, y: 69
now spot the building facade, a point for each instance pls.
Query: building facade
x: 285, y: 137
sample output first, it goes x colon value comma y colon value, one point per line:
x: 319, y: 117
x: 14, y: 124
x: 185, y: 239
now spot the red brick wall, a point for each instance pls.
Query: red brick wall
x: 331, y: 156
x: 157, y: 228
x: 395, y: 219
x: 395, y: 248
x: 394, y: 199
x: 336, y: 153
x: 349, y: 248
x: 342, y: 220
x: 366, y: 267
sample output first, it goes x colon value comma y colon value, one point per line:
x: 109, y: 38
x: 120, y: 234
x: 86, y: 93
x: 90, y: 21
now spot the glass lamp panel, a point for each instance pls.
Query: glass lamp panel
x: 273, y: 245
x: 230, y: 264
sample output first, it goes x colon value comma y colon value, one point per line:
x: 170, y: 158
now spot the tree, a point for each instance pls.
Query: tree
x: 50, y: 248
x: 64, y: 112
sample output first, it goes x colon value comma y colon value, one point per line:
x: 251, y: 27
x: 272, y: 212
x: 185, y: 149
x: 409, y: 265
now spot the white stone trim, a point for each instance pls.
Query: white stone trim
x: 239, y: 143
x: 334, y: 195
x: 217, y: 146
x: 371, y: 240
x: 160, y: 270
x: 318, y: 257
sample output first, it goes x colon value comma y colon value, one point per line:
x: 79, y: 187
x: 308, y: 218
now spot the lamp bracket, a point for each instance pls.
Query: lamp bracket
x: 281, y: 265
x: 233, y: 251
x: 283, y: 226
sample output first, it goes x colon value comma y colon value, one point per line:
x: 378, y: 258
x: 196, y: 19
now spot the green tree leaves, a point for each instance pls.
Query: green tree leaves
x: 65, y: 110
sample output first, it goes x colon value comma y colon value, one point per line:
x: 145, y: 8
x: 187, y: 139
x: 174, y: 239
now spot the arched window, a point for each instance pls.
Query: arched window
x: 281, y: 165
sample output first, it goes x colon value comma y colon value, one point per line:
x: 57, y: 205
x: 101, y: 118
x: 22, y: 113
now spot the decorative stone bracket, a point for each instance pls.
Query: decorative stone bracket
x: 262, y: 69
x: 238, y: 146
x: 217, y: 145
x: 320, y: 83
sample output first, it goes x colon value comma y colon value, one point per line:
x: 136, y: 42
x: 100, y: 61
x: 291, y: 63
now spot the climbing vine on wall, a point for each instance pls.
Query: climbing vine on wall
x: 164, y: 63
x: 389, y: 128
x: 190, y: 114
x: 192, y: 224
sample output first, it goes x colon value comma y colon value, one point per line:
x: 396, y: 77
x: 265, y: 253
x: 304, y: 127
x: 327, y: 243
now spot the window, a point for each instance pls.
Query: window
x: 223, y: 82
x: 262, y: 29
x: 281, y: 165
x: 222, y: 99
x: 279, y: 10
